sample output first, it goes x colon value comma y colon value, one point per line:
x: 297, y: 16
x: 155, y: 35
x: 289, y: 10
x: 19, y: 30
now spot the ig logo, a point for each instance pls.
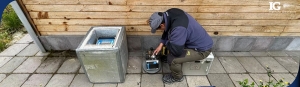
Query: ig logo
x: 272, y: 6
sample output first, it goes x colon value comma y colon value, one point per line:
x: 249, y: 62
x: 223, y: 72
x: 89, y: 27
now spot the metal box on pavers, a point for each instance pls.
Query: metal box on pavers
x: 103, y: 53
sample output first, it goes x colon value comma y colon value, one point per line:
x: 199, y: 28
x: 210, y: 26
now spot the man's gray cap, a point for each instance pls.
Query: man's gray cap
x: 154, y: 21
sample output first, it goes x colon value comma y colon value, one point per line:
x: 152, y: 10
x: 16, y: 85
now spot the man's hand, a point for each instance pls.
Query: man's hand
x: 157, y: 50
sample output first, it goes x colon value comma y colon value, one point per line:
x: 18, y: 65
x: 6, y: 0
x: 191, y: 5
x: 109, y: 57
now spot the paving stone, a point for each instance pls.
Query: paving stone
x: 241, y: 54
x: 223, y: 54
x: 4, y: 60
x: 13, y: 50
x: 225, y: 43
x: 263, y: 77
x: 241, y: 77
x: 251, y: 65
x: 81, y: 81
x: 37, y: 80
x: 262, y: 43
x: 294, y: 45
x: 30, y: 65
x: 293, y: 74
x: 134, y: 44
x: 178, y: 84
x: 220, y: 80
x: 60, y: 80
x: 150, y: 41
x: 244, y: 44
x: 30, y: 50
x: 280, y: 43
x: 2, y: 76
x: 286, y: 77
x: 271, y: 63
x: 293, y: 53
x: 12, y: 64
x: 256, y: 54
x: 40, y: 53
x: 105, y: 85
x: 132, y: 80
x: 134, y: 65
x: 69, y: 66
x: 25, y: 40
x: 196, y: 81
x: 216, y: 67
x: 14, y: 80
x: 136, y: 54
x: 166, y: 68
x: 297, y: 58
x: 81, y: 70
x: 50, y: 65
x: 231, y: 65
x: 277, y: 53
x: 288, y: 63
x: 152, y: 80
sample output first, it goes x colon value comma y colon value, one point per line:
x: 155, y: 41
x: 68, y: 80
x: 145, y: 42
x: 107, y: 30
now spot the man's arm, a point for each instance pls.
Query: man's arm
x: 177, y: 40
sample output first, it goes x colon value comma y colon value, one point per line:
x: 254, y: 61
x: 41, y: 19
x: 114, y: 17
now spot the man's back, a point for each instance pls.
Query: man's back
x: 196, y: 36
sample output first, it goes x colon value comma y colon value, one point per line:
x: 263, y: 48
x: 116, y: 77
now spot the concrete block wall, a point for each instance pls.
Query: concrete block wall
x: 221, y: 43
x: 227, y: 43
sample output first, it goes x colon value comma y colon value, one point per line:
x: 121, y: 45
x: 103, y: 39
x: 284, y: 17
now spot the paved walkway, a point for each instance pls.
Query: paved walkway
x: 22, y: 65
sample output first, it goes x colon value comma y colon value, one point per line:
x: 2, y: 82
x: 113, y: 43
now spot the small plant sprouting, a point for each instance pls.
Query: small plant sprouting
x: 269, y: 83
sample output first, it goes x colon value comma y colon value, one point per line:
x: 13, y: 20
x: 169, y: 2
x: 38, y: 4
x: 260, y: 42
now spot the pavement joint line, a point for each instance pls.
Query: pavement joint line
x: 207, y: 79
x: 19, y: 65
x: 230, y: 79
x: 253, y: 79
x: 282, y: 65
x: 49, y: 80
x: 21, y: 51
x: 221, y: 64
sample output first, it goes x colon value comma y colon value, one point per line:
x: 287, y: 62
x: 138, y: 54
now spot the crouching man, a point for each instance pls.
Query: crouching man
x: 184, y: 37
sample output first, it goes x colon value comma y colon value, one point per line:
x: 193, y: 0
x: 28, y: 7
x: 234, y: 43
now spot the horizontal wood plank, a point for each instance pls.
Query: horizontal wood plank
x: 205, y: 2
x: 96, y: 22
x: 289, y: 9
x: 247, y: 34
x: 139, y: 15
x: 124, y: 8
x: 100, y: 2
x: 91, y: 22
x: 159, y: 2
x: 77, y: 8
x: 145, y: 28
x: 159, y: 33
x: 62, y: 33
x: 292, y: 29
x: 84, y: 33
x: 290, y: 34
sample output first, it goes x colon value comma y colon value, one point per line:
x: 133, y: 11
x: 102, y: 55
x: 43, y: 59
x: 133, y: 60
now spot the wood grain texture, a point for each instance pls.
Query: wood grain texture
x: 145, y: 28
x: 159, y: 33
x: 204, y: 2
x: 126, y: 8
x: 290, y: 34
x: 100, y: 2
x: 96, y: 22
x: 292, y: 29
x: 218, y: 17
x: 141, y: 15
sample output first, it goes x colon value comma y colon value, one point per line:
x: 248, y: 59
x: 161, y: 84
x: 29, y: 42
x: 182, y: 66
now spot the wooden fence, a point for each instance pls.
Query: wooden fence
x: 218, y: 17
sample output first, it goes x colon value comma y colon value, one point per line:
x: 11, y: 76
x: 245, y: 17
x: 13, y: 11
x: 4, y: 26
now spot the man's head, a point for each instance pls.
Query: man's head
x: 156, y: 21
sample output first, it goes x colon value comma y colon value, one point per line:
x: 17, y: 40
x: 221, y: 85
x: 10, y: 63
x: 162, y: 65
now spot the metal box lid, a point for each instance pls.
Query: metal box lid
x: 96, y: 33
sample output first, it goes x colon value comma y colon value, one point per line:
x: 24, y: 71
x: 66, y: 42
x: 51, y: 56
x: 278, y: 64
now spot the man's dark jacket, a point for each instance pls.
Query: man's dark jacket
x: 183, y: 31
